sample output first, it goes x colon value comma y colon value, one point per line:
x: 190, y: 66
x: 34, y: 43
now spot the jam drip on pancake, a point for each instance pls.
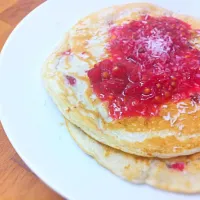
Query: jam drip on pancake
x: 151, y: 63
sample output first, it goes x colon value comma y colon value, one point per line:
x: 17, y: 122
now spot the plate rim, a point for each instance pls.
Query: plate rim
x: 3, y: 119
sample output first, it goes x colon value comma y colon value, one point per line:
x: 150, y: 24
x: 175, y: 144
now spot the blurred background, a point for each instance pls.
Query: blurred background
x: 17, y: 182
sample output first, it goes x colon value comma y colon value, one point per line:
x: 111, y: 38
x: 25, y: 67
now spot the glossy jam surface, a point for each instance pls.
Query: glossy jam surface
x: 152, y: 62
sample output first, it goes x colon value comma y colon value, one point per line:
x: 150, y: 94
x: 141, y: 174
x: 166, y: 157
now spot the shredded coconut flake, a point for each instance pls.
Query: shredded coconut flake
x: 158, y: 44
x: 165, y: 106
x: 174, y: 119
x: 167, y: 117
x: 93, y: 97
x: 196, y: 108
x: 180, y: 127
x: 181, y: 104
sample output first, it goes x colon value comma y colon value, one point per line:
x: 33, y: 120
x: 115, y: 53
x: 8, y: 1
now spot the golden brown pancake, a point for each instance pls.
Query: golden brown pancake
x: 176, y: 174
x: 170, y: 133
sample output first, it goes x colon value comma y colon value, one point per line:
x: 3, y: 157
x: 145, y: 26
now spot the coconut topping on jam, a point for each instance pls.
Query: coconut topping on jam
x: 152, y: 62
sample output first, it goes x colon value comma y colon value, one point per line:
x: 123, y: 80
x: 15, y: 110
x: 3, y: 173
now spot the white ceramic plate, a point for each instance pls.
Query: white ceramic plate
x: 33, y: 123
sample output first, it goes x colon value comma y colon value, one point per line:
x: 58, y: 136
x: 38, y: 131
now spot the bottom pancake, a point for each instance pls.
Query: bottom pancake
x: 181, y: 174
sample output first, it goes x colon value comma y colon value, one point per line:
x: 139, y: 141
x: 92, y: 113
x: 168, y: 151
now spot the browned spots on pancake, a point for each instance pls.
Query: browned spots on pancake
x: 131, y: 173
x: 188, y: 184
x: 193, y: 157
x: 79, y: 39
x: 67, y: 109
x: 83, y: 34
x: 171, y: 142
x: 127, y: 166
x: 82, y: 107
x: 87, y: 120
x: 91, y: 60
x: 107, y: 151
x: 160, y: 123
x: 193, y: 166
x: 88, y: 94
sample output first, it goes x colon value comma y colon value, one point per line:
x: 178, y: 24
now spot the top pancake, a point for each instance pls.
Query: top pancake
x: 167, y: 135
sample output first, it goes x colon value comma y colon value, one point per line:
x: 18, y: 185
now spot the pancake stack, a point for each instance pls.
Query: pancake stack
x: 127, y: 80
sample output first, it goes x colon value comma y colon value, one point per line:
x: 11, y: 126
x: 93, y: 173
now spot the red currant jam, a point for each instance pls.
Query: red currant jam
x: 152, y: 61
